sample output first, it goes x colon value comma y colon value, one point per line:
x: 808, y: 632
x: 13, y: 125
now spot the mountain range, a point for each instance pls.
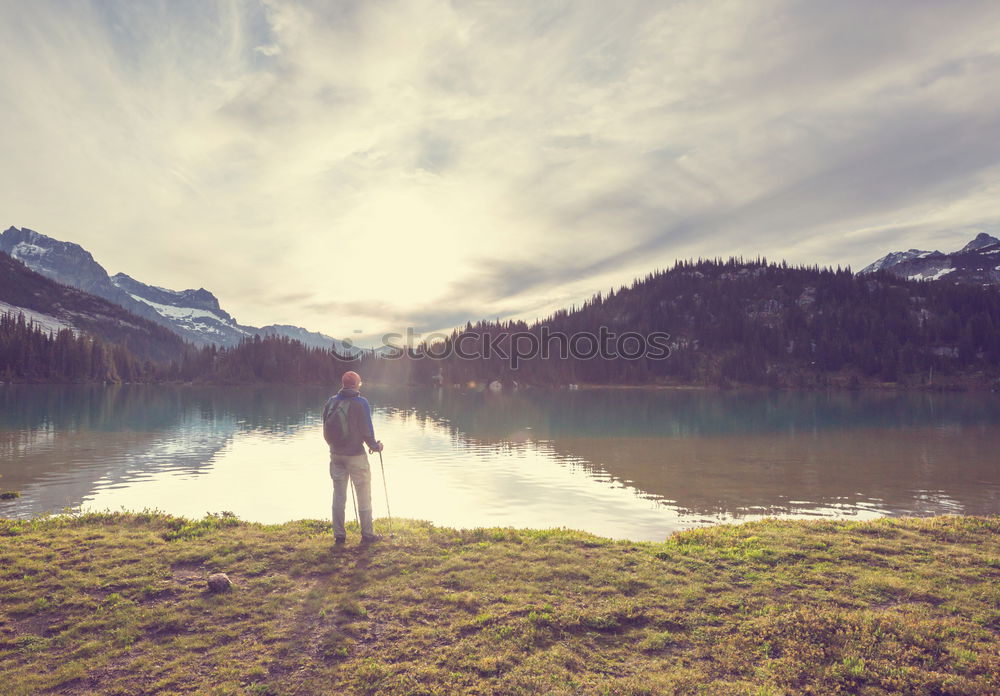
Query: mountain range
x: 194, y: 315
x: 732, y: 322
x: 54, y: 306
x: 977, y: 263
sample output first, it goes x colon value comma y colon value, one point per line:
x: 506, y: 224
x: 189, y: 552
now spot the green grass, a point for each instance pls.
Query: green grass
x: 116, y: 604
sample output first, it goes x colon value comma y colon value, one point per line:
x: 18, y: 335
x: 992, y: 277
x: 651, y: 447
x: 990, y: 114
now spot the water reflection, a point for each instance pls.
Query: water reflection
x: 683, y: 413
x: 732, y: 454
x: 625, y: 463
x: 926, y: 471
x: 152, y: 407
x: 59, y: 444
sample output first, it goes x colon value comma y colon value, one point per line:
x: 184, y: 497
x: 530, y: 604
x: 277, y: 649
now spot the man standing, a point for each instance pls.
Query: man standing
x: 347, y: 427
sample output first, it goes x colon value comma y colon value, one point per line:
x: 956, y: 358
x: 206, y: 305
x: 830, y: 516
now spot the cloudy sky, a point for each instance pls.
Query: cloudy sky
x: 389, y: 163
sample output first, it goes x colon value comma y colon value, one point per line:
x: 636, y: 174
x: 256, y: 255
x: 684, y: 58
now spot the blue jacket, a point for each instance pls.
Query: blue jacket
x: 359, y: 417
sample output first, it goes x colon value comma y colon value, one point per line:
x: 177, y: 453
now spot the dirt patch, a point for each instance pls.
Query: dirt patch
x: 37, y: 625
x: 189, y: 573
x: 100, y: 594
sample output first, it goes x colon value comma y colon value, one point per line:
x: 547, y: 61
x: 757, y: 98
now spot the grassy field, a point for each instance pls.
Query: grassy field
x: 117, y: 604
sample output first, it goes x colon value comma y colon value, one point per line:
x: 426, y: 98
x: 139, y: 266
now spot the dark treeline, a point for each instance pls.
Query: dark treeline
x: 273, y: 359
x: 756, y: 323
x: 729, y: 322
x: 30, y: 353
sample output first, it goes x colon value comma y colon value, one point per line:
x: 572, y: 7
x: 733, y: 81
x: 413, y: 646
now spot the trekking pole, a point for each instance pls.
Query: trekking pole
x: 385, y: 487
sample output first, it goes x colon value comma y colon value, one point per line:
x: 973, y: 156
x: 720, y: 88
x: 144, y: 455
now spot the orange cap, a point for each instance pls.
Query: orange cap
x: 350, y: 380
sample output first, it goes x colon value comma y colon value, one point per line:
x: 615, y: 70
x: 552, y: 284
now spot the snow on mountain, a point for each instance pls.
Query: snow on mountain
x: 180, y: 313
x: 972, y: 264
x: 40, y: 319
x: 937, y: 276
x: 23, y: 249
x: 194, y: 314
x: 895, y: 258
x: 198, y: 299
x: 200, y: 321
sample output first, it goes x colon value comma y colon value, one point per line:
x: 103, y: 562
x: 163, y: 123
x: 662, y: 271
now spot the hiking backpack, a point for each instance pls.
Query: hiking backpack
x: 337, y: 424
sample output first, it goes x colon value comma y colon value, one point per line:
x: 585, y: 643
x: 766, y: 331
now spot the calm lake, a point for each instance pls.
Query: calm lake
x: 636, y: 464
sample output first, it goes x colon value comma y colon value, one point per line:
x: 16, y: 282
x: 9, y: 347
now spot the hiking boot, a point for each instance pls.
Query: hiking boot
x: 339, y: 540
x: 370, y: 539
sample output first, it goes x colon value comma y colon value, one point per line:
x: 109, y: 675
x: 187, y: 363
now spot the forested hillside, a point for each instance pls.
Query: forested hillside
x: 759, y: 323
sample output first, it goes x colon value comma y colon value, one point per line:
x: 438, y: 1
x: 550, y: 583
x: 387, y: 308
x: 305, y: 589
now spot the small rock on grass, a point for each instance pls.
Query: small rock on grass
x: 219, y: 582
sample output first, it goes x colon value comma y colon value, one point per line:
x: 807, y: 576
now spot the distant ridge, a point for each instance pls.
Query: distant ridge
x: 193, y: 314
x: 977, y: 263
x: 313, y: 339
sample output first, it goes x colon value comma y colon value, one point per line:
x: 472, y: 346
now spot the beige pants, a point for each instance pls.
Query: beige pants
x: 353, y: 468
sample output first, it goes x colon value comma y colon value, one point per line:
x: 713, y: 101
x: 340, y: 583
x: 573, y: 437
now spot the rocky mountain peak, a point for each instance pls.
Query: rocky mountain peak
x: 199, y: 299
x: 981, y: 241
x: 64, y: 262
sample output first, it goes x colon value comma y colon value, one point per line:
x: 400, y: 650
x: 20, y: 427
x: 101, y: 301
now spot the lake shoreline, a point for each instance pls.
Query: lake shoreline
x: 118, y: 603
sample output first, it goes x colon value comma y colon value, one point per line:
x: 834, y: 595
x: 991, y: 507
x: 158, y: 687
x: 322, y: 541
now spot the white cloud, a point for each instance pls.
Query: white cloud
x: 419, y: 158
